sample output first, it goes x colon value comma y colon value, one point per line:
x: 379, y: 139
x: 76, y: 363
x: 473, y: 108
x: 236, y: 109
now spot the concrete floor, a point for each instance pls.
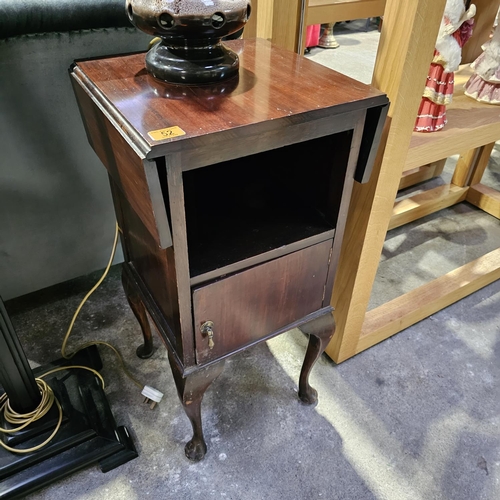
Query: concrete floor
x: 357, y: 52
x: 416, y: 417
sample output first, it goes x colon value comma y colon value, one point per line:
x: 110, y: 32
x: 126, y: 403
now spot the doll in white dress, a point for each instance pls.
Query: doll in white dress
x: 484, y: 84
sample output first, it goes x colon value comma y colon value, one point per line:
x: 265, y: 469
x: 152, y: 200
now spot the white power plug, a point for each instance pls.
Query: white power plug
x: 151, y: 395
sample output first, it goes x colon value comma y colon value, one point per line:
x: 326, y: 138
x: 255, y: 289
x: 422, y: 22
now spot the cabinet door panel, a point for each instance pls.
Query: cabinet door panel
x: 252, y: 304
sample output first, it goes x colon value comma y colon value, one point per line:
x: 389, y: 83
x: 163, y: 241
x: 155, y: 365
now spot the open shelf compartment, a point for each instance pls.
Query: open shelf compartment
x: 253, y: 209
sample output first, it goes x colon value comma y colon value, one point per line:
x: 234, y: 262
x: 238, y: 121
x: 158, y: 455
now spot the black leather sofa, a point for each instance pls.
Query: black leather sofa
x: 56, y: 215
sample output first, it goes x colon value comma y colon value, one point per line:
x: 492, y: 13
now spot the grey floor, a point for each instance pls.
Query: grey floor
x: 416, y: 417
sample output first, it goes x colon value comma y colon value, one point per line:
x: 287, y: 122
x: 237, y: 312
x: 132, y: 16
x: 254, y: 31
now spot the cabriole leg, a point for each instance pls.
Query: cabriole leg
x: 191, y: 389
x: 320, y: 332
x: 146, y: 350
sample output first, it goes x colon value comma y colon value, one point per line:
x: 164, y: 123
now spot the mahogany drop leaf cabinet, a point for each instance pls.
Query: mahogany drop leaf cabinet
x: 232, y: 201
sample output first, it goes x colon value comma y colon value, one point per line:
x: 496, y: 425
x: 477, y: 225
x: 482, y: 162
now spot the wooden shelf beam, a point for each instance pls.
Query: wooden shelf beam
x: 408, y: 309
x: 421, y: 174
x: 485, y: 198
x: 478, y: 168
x: 286, y: 21
x: 428, y: 202
x: 332, y: 11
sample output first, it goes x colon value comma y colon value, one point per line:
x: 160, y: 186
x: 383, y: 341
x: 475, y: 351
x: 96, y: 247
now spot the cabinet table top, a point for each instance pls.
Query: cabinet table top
x: 274, y: 85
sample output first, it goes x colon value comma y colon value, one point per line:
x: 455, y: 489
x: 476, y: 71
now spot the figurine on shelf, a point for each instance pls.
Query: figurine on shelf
x: 484, y: 84
x: 455, y: 30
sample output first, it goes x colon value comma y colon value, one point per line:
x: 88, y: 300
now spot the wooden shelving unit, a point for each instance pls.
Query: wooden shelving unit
x: 334, y: 11
x: 406, y: 47
x: 330, y: 11
x: 285, y: 21
x: 472, y: 127
x: 404, y: 158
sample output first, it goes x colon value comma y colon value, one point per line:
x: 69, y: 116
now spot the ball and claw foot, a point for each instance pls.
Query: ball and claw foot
x: 191, y: 388
x: 195, y: 449
x: 309, y: 396
x: 144, y: 352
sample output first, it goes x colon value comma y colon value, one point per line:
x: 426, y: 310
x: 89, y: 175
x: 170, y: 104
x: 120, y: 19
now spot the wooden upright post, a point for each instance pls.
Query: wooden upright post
x: 483, y: 22
x: 406, y: 45
x: 286, y: 23
x: 260, y: 24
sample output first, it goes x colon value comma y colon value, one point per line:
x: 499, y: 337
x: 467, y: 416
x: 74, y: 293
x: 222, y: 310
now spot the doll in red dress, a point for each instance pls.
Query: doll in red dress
x: 455, y: 30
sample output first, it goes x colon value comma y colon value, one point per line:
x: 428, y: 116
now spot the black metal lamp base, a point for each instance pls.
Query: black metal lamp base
x: 197, y: 64
x: 88, y: 433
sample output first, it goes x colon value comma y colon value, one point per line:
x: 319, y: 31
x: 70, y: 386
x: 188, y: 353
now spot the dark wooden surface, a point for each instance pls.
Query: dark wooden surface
x: 341, y: 186
x: 175, y: 187
x: 275, y: 89
x: 160, y: 321
x: 135, y: 177
x: 262, y: 138
x: 262, y: 257
x: 154, y: 266
x: 249, y: 305
x: 282, y: 114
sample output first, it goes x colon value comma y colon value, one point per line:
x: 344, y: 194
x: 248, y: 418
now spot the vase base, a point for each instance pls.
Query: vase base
x: 192, y: 65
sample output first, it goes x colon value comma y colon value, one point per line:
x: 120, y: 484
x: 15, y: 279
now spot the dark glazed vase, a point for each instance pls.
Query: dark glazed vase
x: 190, y: 51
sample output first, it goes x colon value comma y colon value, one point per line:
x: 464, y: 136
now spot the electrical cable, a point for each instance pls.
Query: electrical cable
x: 97, y: 342
x: 25, y: 419
x: 92, y: 290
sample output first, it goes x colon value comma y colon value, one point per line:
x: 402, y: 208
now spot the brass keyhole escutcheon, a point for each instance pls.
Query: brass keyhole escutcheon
x: 207, y: 329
